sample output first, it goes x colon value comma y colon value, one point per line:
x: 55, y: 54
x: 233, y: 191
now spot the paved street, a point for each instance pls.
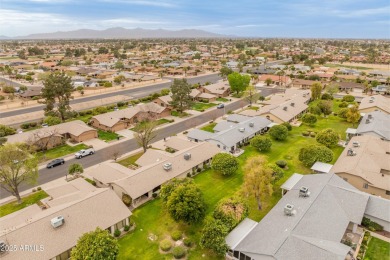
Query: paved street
x: 136, y: 93
x: 46, y: 175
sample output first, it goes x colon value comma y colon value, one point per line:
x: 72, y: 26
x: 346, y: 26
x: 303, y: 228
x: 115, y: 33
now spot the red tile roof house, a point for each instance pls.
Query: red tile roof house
x: 277, y: 80
x: 122, y: 119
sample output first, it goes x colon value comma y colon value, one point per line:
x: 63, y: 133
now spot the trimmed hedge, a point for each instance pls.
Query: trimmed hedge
x: 176, y: 235
x: 165, y: 245
x: 179, y: 252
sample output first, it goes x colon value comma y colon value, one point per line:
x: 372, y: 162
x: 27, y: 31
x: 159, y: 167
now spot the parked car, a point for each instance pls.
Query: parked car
x: 45, y: 125
x: 116, y: 108
x: 84, y: 152
x: 220, y: 105
x: 55, y: 163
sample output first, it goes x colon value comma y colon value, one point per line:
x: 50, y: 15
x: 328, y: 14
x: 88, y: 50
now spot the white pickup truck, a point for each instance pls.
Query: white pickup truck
x: 84, y: 152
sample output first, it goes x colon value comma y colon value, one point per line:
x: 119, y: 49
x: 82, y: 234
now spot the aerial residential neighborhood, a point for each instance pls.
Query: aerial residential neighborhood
x: 239, y: 131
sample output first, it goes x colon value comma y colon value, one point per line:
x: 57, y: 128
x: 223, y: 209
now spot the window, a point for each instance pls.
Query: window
x: 365, y: 186
x: 388, y: 192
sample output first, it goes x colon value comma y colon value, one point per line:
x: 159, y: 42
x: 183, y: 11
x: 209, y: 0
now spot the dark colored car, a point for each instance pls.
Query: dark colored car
x: 55, y: 163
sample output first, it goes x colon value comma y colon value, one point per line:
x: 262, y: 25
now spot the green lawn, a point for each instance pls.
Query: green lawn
x: 107, y: 136
x: 152, y: 218
x: 221, y: 99
x: 26, y: 201
x: 176, y: 113
x: 377, y: 249
x: 209, y: 127
x: 60, y: 151
x: 253, y: 108
x: 130, y: 160
x: 199, y: 106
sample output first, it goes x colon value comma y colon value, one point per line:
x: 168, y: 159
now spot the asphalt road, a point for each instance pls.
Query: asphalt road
x: 47, y: 175
x: 136, y: 93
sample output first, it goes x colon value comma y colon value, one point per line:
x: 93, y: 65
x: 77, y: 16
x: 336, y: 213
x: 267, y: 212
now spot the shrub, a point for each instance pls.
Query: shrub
x: 6, y: 130
x: 343, y: 104
x: 121, y: 104
x: 178, y: 252
x: 33, y: 124
x: 309, y: 119
x: 348, y: 98
x: 126, y: 228
x: 281, y: 163
x: 39, y: 188
x: 52, y: 120
x: 328, y: 137
x: 326, y: 96
x: 176, y: 235
x: 288, y: 125
x: 187, y: 242
x: 127, y: 200
x: 313, y: 134
x: 224, y: 163
x: 279, y: 132
x: 262, y: 143
x: 231, y: 211
x: 277, y: 172
x: 34, y: 190
x: 202, y: 110
x: 305, y: 133
x: 154, y: 195
x: 166, y: 245
x: 312, y: 153
x: 107, y: 84
x: 8, y: 89
x: 35, y: 98
x: 25, y: 126
x: 343, y: 112
x: 99, y: 110
x: 117, y: 233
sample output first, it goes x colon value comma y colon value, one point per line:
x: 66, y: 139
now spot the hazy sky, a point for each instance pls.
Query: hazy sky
x: 254, y: 18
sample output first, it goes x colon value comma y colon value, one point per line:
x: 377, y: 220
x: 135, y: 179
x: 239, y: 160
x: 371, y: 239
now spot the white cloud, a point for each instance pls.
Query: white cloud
x: 156, y: 3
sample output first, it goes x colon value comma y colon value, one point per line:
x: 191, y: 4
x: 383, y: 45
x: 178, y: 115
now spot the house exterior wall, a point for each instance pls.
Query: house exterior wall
x: 117, y: 127
x: 359, y: 182
x: 273, y: 118
x: 84, y: 136
x: 49, y: 142
x: 385, y: 224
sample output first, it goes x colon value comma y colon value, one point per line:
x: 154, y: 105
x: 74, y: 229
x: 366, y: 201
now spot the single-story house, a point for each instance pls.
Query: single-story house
x: 156, y: 168
x: 219, y: 89
x: 309, y: 222
x: 364, y: 163
x: 51, y: 230
x: 350, y: 87
x: 122, y: 119
x: 375, y: 123
x: 76, y: 131
x: 375, y: 103
x: 276, y: 80
x: 381, y: 89
x: 229, y: 136
x: 303, y: 83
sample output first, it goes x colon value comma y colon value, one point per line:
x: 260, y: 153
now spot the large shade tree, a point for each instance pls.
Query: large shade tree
x: 238, y: 83
x: 181, y: 98
x: 224, y: 163
x: 17, y: 166
x: 57, y: 90
x: 312, y: 153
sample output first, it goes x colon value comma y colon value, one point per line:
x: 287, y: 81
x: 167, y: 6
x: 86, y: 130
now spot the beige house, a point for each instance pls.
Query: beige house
x: 219, y: 89
x: 122, y: 119
x: 365, y: 163
x: 76, y: 131
x: 156, y: 168
x: 43, y: 234
x: 303, y: 83
x: 375, y: 103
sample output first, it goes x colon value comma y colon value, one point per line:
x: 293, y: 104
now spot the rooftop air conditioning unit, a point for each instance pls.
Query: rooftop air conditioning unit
x: 371, y: 101
x: 3, y: 247
x: 187, y: 156
x: 304, y: 192
x: 251, y: 124
x: 351, y: 152
x: 369, y: 116
x: 285, y: 108
x: 292, y: 104
x: 241, y: 129
x: 288, y: 209
x: 356, y: 144
x: 57, y: 221
x: 368, y: 121
x: 167, y: 166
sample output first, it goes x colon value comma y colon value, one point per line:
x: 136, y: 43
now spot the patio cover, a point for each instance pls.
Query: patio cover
x: 321, y: 167
x: 290, y: 183
x: 239, y: 232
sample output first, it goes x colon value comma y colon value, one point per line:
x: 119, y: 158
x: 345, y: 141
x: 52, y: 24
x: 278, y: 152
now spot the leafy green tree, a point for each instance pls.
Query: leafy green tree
x: 238, y: 83
x: 316, y: 89
x: 312, y: 153
x: 97, y: 245
x: 6, y: 130
x: 309, y: 119
x: 325, y: 106
x: 288, y: 125
x: 119, y: 65
x: 268, y: 81
x: 107, y: 84
x: 170, y: 186
x: 3, y: 140
x: 353, y: 115
x: 224, y: 72
x: 52, y: 120
x: 185, y: 202
x: 258, y: 180
x: 328, y: 137
x: 119, y: 79
x: 224, y: 163
x: 75, y: 168
x: 343, y: 112
x: 145, y: 133
x: 17, y: 166
x: 231, y: 211
x: 262, y: 143
x: 279, y: 132
x: 348, y: 98
x: 332, y: 89
x: 181, y: 98
x: 57, y: 90
x: 213, y: 237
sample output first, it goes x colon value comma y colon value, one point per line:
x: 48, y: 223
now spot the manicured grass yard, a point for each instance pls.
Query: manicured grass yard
x: 107, y: 136
x: 221, y: 99
x: 152, y: 218
x: 176, y: 113
x: 209, y: 127
x: 26, y: 201
x: 131, y: 160
x: 60, y: 151
x: 377, y: 249
x: 253, y: 108
x: 199, y: 106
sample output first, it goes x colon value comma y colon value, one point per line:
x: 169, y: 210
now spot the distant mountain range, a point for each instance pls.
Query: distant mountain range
x: 120, y: 33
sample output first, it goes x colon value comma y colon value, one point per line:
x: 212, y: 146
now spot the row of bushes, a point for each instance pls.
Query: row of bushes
x: 363, y: 246
x: 371, y: 225
x: 308, y: 133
